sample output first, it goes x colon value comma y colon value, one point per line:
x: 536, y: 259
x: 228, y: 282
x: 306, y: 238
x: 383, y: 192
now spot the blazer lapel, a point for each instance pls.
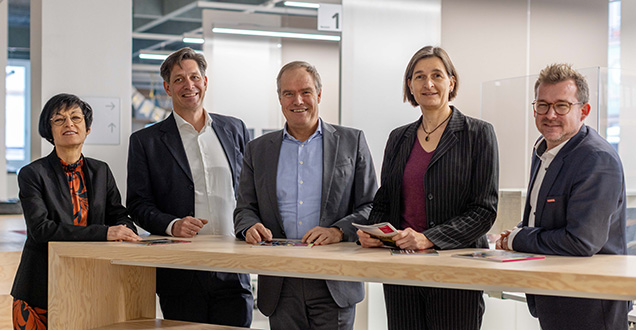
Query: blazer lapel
x: 171, y: 138
x: 88, y: 179
x: 224, y: 137
x: 554, y: 170
x: 330, y: 144
x: 449, y: 139
x: 534, y: 169
x: 548, y: 181
x: 270, y: 166
x: 59, y: 179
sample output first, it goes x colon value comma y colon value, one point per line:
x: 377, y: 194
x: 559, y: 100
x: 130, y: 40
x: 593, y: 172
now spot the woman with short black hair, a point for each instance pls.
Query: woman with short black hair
x: 65, y: 197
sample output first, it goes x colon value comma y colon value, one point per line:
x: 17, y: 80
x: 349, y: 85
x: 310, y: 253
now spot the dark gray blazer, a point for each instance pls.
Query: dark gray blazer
x: 160, y: 187
x: 461, y: 182
x: 48, y: 212
x: 348, y: 185
x: 580, y: 212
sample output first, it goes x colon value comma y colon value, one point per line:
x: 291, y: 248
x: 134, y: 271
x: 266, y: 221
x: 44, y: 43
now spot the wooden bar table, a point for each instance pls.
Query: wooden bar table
x: 93, y: 284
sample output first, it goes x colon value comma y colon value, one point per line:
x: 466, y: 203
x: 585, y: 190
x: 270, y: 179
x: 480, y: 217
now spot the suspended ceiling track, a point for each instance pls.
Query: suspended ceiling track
x: 265, y: 9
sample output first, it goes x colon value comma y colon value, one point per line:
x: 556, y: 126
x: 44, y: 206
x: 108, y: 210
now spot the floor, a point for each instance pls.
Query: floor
x: 12, y: 233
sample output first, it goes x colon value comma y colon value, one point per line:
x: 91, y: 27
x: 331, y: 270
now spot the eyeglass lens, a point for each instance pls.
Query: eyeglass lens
x: 560, y: 108
x: 60, y: 120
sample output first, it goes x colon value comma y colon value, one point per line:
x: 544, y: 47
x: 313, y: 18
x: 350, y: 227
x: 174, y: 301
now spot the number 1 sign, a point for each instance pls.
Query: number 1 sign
x: 329, y: 17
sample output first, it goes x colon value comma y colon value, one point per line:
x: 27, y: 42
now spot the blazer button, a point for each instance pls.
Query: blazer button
x: 430, y: 196
x: 190, y: 187
x: 191, y: 214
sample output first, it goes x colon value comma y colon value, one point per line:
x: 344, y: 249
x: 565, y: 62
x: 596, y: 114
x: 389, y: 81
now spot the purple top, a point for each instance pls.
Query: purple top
x: 413, y: 190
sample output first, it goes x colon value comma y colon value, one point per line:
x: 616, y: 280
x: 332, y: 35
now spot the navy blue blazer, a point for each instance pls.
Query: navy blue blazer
x: 48, y: 212
x: 461, y: 182
x: 160, y: 186
x: 581, y: 203
x: 580, y: 212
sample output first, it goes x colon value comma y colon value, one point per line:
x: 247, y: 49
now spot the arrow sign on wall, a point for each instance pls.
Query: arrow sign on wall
x: 105, y: 127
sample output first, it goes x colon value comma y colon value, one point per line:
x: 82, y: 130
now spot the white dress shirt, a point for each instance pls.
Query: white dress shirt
x: 213, y: 189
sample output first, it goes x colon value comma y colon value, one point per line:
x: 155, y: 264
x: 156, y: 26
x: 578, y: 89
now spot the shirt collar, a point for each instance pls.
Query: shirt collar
x: 318, y: 132
x: 183, y: 123
x: 541, y: 146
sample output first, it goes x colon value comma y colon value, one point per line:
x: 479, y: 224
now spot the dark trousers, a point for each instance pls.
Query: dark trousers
x: 424, y: 308
x: 563, y: 313
x: 221, y: 300
x: 307, y: 304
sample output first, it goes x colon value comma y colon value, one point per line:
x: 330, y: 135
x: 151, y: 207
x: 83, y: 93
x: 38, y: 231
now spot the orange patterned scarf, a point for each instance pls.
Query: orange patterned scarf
x: 26, y: 317
x: 79, y: 194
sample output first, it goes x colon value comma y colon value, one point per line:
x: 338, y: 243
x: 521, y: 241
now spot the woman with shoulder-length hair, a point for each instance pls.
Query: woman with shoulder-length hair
x: 65, y: 197
x: 439, y: 187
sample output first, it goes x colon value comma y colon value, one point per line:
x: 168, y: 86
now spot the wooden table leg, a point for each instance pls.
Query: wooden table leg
x: 87, y: 293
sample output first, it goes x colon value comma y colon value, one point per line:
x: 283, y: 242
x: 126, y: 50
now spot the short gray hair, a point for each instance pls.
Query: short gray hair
x: 300, y: 64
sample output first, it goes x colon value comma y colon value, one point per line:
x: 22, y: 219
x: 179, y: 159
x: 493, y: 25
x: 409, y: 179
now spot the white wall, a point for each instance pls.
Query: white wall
x: 83, y: 47
x: 4, y: 35
x: 378, y: 39
x: 242, y: 71
x: 325, y: 56
x: 494, y: 40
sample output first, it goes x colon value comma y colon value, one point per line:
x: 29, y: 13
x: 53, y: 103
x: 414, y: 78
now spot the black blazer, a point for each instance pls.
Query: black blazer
x: 48, y: 211
x: 160, y: 186
x: 461, y: 182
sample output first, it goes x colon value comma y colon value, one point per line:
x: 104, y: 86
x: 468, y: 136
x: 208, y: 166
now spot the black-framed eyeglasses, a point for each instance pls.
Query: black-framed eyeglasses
x: 560, y: 107
x: 60, y: 120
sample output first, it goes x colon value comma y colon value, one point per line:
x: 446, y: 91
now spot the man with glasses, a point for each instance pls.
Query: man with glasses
x: 575, y: 204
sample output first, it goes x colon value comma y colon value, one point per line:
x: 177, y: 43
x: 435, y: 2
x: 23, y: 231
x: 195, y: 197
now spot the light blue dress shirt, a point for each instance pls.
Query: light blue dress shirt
x: 299, y: 182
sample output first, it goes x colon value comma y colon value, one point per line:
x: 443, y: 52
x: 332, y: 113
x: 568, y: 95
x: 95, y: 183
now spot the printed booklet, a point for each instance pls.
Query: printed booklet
x: 382, y: 231
x: 295, y: 243
x: 499, y: 256
x: 157, y: 241
x: 428, y: 252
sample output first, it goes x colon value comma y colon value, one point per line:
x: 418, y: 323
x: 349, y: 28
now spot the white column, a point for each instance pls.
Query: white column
x: 325, y: 56
x: 242, y: 71
x: 4, y: 35
x: 83, y: 47
x: 378, y: 39
x: 628, y: 95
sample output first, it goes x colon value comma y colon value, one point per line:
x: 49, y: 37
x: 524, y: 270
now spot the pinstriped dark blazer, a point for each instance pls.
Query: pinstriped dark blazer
x: 461, y: 182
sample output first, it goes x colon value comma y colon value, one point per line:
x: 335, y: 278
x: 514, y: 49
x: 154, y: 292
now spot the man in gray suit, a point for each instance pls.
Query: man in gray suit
x: 309, y: 181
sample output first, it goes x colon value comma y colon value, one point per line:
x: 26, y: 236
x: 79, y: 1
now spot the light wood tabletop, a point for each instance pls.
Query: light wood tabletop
x: 95, y: 276
x: 606, y: 276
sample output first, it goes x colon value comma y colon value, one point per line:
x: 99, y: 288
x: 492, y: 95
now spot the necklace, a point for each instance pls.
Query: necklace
x: 434, y: 129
